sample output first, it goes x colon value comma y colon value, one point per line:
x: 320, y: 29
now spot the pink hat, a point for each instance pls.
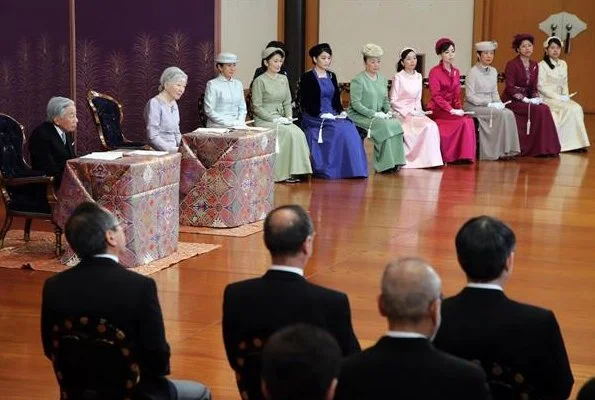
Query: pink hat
x: 441, y: 42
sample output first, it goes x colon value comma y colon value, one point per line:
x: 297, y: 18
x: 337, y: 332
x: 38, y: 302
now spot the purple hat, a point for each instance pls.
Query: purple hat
x: 441, y: 42
x: 519, y: 37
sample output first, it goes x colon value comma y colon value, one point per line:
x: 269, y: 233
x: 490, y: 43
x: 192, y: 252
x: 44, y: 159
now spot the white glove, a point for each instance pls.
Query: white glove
x: 526, y: 100
x: 343, y: 114
x: 564, y: 97
x: 536, y: 100
x: 281, y: 120
x: 419, y: 113
x: 327, y: 116
x: 379, y: 114
x: 457, y: 112
x: 389, y: 115
x: 497, y: 105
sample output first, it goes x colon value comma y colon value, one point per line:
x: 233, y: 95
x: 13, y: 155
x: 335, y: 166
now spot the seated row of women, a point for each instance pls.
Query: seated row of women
x: 537, y: 117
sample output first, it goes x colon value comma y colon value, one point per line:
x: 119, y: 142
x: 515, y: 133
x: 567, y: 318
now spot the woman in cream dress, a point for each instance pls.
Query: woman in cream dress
x: 553, y: 87
x: 421, y: 136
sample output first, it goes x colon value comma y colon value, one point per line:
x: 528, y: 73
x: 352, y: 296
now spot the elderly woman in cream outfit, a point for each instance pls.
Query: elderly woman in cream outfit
x: 162, y: 116
x: 553, y: 86
x: 224, y: 103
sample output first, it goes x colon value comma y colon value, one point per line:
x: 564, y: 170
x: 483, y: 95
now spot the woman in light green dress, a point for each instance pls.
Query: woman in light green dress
x: 369, y: 108
x: 271, y: 105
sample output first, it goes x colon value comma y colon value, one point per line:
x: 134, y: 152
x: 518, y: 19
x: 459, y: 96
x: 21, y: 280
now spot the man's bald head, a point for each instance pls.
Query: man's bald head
x: 409, y: 285
x: 286, y: 228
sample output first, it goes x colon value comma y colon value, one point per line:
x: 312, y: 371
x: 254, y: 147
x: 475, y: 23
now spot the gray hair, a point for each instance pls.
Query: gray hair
x: 409, y: 285
x: 171, y: 74
x: 86, y: 228
x: 57, y: 106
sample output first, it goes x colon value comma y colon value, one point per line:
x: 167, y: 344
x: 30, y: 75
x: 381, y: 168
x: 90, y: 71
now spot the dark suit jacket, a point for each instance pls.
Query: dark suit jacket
x: 48, y: 153
x: 409, y: 368
x: 309, y: 93
x: 259, y: 307
x: 484, y: 324
x: 103, y: 288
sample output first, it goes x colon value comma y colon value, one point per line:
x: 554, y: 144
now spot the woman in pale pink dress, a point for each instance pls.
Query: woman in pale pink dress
x: 421, y: 136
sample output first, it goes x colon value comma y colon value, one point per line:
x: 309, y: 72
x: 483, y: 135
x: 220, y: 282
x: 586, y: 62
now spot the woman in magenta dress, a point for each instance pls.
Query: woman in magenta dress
x: 537, y: 131
x: 457, y: 131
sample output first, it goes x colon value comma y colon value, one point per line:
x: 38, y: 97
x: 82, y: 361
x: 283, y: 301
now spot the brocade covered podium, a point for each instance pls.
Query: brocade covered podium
x: 141, y: 191
x: 227, y: 178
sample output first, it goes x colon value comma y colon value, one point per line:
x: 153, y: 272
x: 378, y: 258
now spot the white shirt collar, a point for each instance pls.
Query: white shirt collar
x: 60, y: 132
x: 285, y: 268
x: 106, y: 255
x: 405, y: 335
x: 224, y: 79
x: 492, y: 286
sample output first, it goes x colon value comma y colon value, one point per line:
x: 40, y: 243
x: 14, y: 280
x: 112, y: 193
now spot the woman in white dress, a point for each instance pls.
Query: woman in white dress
x: 421, y: 136
x: 224, y: 103
x: 498, y: 134
x: 553, y: 87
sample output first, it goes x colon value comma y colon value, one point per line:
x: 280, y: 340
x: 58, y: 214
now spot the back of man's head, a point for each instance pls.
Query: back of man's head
x: 300, y: 362
x: 409, y: 286
x: 587, y: 392
x: 484, y: 245
x: 286, y: 228
x: 86, y: 229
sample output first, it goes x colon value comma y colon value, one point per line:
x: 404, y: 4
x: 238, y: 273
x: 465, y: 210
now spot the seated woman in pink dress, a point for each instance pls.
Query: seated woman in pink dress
x: 457, y: 131
x: 422, y: 140
x: 537, y: 132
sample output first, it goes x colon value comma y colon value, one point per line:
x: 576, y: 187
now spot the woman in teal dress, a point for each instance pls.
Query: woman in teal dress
x: 271, y: 105
x: 369, y: 108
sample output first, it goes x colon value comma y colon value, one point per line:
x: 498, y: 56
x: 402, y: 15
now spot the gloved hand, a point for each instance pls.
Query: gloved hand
x: 327, y: 116
x: 282, y: 120
x: 564, y: 97
x: 419, y: 113
x: 496, y: 104
x: 342, y: 115
x: 457, y: 112
x: 388, y: 115
x: 536, y: 100
x: 379, y: 114
x: 526, y: 100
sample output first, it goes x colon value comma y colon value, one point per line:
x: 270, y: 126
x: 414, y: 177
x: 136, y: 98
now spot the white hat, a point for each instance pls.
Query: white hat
x: 547, y: 42
x: 372, y: 50
x: 489, y: 45
x: 226, y: 58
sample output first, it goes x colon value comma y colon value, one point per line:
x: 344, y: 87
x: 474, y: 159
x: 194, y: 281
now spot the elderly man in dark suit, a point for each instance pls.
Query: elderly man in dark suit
x: 101, y: 287
x: 254, y: 309
x: 51, y: 144
x: 482, y: 323
x: 404, y: 364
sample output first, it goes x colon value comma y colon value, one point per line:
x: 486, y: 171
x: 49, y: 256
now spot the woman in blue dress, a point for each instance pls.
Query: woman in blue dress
x: 335, y: 146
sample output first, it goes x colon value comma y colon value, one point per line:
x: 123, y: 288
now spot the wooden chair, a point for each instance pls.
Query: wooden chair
x: 247, y: 368
x: 505, y: 382
x: 24, y: 192
x: 107, y: 115
x: 93, y: 360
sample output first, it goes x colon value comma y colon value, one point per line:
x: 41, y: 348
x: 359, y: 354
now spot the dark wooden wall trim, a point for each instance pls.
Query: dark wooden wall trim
x: 312, y: 29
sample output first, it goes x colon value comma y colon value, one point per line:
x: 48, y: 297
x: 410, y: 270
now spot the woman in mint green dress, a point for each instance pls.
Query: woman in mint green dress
x: 271, y: 105
x: 369, y: 108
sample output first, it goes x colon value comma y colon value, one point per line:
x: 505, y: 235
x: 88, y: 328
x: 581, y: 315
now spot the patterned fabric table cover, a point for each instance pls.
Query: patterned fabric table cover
x: 141, y: 191
x: 227, y: 179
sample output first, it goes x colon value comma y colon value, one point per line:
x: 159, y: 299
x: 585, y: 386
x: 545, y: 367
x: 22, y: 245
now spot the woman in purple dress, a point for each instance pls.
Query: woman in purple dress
x: 537, y: 131
x: 335, y: 146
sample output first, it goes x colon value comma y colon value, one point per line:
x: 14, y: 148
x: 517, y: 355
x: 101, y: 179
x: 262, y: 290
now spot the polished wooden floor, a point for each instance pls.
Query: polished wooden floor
x: 360, y: 225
